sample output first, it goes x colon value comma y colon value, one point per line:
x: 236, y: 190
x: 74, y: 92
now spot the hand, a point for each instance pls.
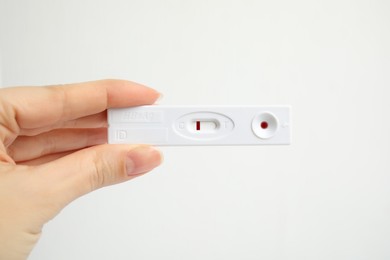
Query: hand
x: 52, y: 151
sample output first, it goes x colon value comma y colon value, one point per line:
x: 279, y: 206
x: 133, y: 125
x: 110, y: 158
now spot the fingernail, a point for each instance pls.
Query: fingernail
x: 160, y: 97
x: 142, y: 159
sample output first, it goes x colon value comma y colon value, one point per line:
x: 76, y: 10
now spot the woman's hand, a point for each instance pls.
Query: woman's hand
x: 53, y: 150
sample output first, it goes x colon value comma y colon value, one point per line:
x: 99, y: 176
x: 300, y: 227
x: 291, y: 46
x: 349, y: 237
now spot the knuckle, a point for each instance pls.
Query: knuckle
x: 59, y: 96
x: 97, y: 177
x: 104, y: 172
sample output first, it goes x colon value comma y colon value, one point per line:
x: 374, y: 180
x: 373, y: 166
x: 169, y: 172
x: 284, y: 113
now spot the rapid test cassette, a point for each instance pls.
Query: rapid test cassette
x: 200, y: 125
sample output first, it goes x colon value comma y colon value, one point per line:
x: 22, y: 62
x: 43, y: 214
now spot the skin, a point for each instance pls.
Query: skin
x: 53, y: 150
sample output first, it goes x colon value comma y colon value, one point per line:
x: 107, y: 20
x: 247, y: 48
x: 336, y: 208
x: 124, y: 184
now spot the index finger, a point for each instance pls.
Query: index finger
x: 34, y: 107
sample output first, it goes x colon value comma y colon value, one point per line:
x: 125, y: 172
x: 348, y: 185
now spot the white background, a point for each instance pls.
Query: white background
x: 327, y: 196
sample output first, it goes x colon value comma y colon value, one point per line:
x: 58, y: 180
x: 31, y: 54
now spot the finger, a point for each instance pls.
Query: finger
x: 98, y: 120
x: 89, y: 169
x: 28, y: 148
x: 44, y: 106
x: 46, y: 158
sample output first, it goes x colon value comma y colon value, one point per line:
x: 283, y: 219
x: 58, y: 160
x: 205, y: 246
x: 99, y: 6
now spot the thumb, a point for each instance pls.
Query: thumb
x: 89, y: 169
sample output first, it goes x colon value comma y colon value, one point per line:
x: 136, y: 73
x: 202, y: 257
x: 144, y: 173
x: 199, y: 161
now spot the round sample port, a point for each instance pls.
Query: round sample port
x: 265, y: 125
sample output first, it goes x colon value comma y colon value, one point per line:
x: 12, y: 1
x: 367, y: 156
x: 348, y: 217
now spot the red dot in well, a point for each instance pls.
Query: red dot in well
x: 264, y: 125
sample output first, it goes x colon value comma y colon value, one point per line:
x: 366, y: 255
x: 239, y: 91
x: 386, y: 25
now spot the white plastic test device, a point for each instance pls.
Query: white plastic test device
x: 199, y: 125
